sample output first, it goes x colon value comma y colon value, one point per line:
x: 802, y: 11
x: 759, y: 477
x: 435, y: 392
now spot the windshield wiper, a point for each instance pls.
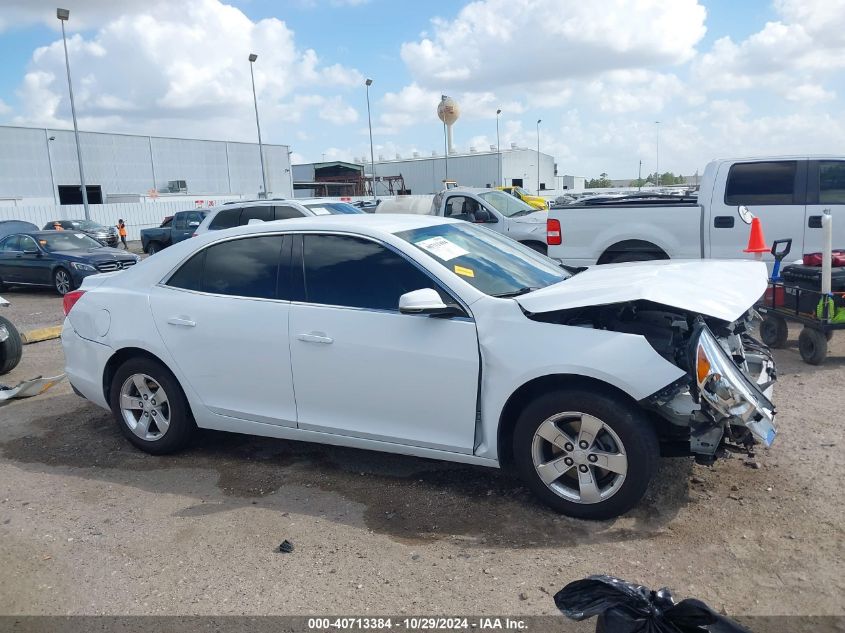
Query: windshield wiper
x: 515, y: 293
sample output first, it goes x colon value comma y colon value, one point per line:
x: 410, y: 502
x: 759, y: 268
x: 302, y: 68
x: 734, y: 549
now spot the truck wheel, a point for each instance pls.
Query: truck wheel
x: 11, y: 349
x: 812, y: 345
x: 153, y: 248
x: 150, y: 407
x: 586, y: 454
x: 774, y: 331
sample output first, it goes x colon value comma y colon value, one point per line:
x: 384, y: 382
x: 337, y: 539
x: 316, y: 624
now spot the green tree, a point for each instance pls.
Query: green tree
x: 603, y: 181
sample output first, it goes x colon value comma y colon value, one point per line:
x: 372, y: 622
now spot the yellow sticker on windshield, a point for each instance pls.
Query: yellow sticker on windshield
x: 466, y: 272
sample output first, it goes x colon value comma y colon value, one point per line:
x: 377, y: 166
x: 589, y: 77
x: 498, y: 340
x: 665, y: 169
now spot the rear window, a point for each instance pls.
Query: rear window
x: 832, y: 182
x: 761, y: 183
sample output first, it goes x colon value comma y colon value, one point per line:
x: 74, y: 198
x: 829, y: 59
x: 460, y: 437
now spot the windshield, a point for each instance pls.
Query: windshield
x: 505, y: 203
x: 67, y: 242
x: 333, y: 208
x: 85, y: 225
x: 521, y: 191
x: 495, y: 265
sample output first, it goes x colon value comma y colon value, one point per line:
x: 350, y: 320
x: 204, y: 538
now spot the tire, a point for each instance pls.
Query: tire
x: 774, y: 331
x: 625, y: 431
x: 153, y: 248
x: 633, y: 256
x: 11, y: 349
x: 812, y: 345
x: 537, y: 246
x: 828, y: 336
x: 62, y: 281
x: 141, y: 421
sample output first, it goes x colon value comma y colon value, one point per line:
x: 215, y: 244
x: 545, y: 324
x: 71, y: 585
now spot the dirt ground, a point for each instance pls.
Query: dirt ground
x: 89, y: 525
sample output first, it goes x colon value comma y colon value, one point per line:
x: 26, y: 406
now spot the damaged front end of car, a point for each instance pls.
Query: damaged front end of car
x: 724, y: 403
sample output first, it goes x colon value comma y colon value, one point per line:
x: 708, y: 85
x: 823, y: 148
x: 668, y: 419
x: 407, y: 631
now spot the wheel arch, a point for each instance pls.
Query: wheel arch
x: 530, y: 243
x: 627, y: 246
x: 120, y: 357
x: 532, y: 389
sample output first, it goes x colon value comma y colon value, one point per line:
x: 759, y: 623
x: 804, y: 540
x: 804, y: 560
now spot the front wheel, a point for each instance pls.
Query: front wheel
x: 586, y: 454
x: 62, y: 281
x: 153, y: 248
x: 812, y: 345
x: 150, y: 407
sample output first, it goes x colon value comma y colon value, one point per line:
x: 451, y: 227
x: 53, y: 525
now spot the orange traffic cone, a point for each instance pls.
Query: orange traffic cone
x: 756, y: 241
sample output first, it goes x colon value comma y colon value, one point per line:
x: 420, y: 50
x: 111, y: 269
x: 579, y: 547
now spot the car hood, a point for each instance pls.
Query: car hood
x: 96, y: 255
x: 535, y: 217
x: 720, y: 289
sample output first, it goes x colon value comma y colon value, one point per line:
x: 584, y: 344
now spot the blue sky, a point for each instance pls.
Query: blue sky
x: 724, y: 78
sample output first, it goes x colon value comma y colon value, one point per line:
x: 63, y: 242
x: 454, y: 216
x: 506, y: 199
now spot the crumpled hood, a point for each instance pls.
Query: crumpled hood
x: 720, y: 289
x: 535, y: 217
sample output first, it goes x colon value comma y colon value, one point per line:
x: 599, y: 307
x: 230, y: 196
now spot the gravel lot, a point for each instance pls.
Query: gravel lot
x: 89, y: 525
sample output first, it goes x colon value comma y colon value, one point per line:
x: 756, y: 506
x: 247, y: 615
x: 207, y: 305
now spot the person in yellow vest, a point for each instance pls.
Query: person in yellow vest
x: 121, y: 230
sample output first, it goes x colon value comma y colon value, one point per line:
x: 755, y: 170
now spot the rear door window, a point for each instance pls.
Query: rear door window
x: 284, y: 212
x: 11, y: 244
x: 265, y: 214
x: 832, y: 182
x: 225, y: 219
x: 770, y: 183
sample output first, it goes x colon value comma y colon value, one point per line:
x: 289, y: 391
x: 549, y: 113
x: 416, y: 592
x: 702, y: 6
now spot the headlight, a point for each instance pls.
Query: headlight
x: 88, y: 268
x: 723, y: 386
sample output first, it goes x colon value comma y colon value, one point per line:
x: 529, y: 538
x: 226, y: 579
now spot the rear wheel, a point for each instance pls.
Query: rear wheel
x: 11, y: 348
x: 774, y: 331
x: 62, y: 281
x: 150, y: 407
x: 586, y: 454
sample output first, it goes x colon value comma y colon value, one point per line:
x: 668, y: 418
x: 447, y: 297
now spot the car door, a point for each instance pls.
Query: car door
x: 34, y: 265
x: 223, y: 316
x: 9, y: 259
x: 185, y: 223
x: 363, y: 369
x: 774, y: 191
x: 825, y: 190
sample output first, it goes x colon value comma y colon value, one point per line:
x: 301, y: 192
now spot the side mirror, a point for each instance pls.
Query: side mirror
x: 744, y: 214
x: 423, y: 301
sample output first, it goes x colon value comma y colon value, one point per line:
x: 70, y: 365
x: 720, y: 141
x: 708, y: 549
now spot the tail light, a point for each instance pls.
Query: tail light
x: 70, y: 299
x: 554, y: 236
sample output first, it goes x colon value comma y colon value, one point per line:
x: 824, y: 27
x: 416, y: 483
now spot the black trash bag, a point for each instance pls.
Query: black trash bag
x: 624, y: 607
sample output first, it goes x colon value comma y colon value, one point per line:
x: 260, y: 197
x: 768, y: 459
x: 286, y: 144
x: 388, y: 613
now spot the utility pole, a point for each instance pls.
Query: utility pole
x: 640, y: 176
x: 498, y: 147
x: 445, y: 151
x: 538, y: 155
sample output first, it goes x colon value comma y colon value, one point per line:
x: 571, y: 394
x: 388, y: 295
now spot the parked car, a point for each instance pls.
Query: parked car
x: 788, y: 194
x: 106, y: 235
x: 496, y: 209
x: 430, y: 337
x: 58, y: 259
x: 538, y: 202
x: 175, y: 228
x: 240, y: 213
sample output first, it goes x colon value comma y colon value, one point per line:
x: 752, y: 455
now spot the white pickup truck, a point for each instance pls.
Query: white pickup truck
x: 788, y: 194
x: 497, y: 210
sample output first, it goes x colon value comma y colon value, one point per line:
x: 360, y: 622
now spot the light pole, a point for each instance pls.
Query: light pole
x: 64, y: 15
x: 369, y: 83
x: 252, y: 58
x: 498, y: 147
x: 538, y: 155
x: 657, y: 152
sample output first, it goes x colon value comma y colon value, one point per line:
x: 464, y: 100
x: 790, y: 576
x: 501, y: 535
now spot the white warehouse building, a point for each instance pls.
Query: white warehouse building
x: 39, y: 166
x: 425, y: 174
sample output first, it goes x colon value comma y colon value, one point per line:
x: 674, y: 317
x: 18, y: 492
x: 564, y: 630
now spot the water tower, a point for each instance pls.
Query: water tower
x: 448, y: 111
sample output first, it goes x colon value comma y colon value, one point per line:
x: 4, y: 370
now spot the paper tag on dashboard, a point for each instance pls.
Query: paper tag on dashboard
x: 442, y: 248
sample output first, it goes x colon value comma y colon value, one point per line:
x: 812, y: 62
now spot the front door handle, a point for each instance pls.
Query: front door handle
x: 723, y: 222
x: 814, y: 222
x: 184, y: 322
x: 315, y: 337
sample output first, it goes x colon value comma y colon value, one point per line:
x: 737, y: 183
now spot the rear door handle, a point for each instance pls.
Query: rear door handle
x: 181, y: 321
x: 315, y: 337
x: 814, y: 222
x: 723, y: 222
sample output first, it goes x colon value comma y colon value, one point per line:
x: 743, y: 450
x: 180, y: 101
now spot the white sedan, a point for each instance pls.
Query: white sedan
x: 429, y: 337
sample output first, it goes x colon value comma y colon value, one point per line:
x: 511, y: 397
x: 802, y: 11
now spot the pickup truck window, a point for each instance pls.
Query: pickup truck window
x: 494, y: 264
x: 832, y: 182
x: 761, y: 183
x: 506, y: 204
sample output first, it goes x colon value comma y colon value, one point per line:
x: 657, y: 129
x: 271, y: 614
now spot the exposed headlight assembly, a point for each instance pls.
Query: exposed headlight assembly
x: 728, y: 391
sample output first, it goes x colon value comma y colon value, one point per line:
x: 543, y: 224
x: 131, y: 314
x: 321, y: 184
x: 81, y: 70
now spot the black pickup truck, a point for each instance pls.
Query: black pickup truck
x: 174, y: 229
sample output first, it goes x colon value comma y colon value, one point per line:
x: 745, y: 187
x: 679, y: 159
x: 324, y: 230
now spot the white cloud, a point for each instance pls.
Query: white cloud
x: 181, y: 68
x: 83, y: 15
x: 4, y: 109
x: 502, y: 42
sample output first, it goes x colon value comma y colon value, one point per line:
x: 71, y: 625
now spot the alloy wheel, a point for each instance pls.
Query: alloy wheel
x: 579, y: 457
x: 63, y: 283
x: 144, y: 407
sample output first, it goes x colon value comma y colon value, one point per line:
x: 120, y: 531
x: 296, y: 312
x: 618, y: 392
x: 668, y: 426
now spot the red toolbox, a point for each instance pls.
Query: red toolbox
x: 815, y: 259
